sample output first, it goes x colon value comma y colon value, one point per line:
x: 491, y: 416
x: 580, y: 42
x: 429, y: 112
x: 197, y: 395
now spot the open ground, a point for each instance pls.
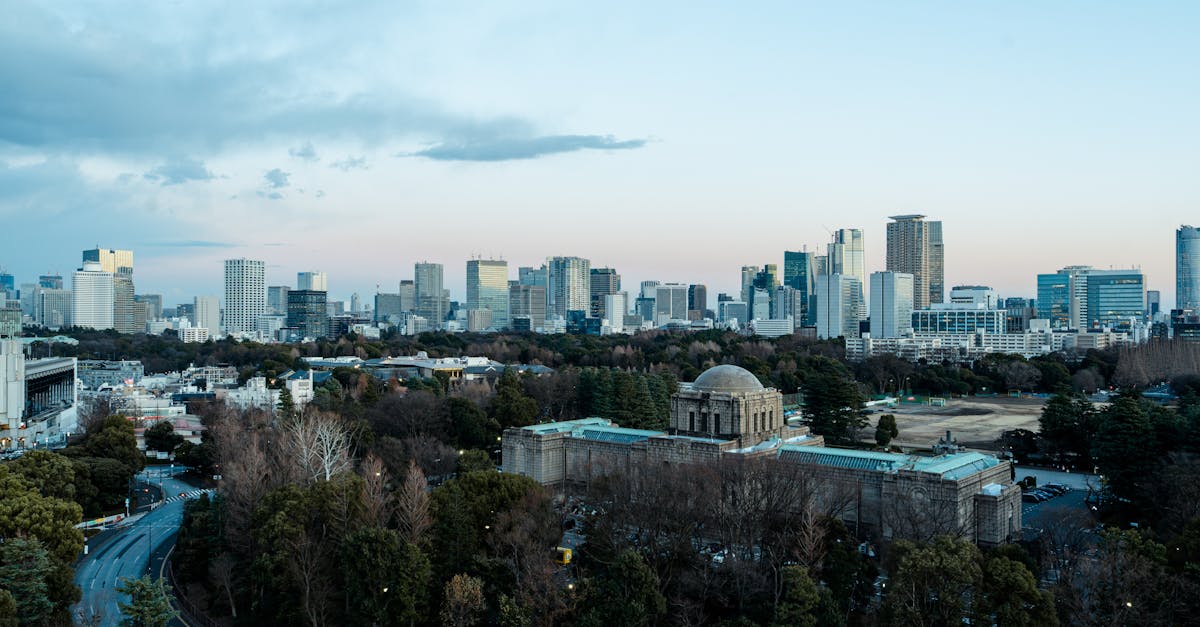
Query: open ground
x: 976, y: 422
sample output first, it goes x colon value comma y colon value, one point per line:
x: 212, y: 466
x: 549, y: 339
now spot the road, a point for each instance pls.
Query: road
x: 126, y: 552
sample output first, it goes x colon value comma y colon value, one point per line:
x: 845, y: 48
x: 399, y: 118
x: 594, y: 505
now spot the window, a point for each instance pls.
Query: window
x: 691, y: 421
x: 717, y: 422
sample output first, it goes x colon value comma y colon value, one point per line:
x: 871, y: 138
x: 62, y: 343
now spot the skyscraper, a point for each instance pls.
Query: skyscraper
x: 431, y: 302
x: 50, y: 281
x: 277, y: 302
x: 847, y: 256
x: 799, y: 273
x: 306, y: 313
x: 245, y: 294
x: 748, y: 274
x: 914, y: 246
x: 206, y: 313
x: 1187, y: 268
x: 312, y: 281
x: 568, y: 285
x: 128, y: 317
x: 92, y: 297
x: 670, y: 303
x: 838, y: 300
x: 111, y: 260
x: 487, y: 288
x: 697, y: 301
x: 52, y: 307
x: 527, y: 301
x: 891, y: 303
x: 603, y: 282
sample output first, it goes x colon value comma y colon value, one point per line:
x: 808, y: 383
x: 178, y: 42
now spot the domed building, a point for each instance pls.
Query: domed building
x: 729, y: 403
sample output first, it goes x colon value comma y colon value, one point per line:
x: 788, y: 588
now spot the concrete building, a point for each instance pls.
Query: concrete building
x: 670, y: 303
x: 602, y: 282
x: 487, y: 289
x: 206, y: 313
x: 726, y: 414
x: 975, y: 296
x: 95, y: 373
x: 733, y: 310
x: 153, y: 302
x: 847, y: 256
x: 10, y: 319
x: 277, y: 299
x: 92, y: 297
x: 949, y: 318
x: 914, y: 246
x: 307, y: 313
x: 193, y: 334
x: 789, y: 303
x: 748, y: 274
x: 431, y: 300
x: 528, y: 275
x: 1083, y: 297
x: 313, y: 281
x: 528, y: 301
x: 245, y: 294
x: 52, y: 307
x: 697, y: 301
x: 568, y: 285
x: 837, y: 303
x: 50, y: 281
x: 38, y: 398
x: 129, y: 316
x: 891, y: 304
x: 1187, y: 268
x: 615, y: 307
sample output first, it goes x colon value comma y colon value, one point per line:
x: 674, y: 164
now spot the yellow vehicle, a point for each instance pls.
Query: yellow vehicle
x: 564, y: 555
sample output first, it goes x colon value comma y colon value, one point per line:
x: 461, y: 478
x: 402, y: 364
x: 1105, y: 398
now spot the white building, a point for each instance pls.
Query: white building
x: 314, y: 281
x: 974, y: 295
x: 245, y: 294
x: 254, y: 395
x: 891, y: 304
x: 52, y: 307
x: 92, y: 297
x: 615, y: 307
x: 568, y: 285
x: 193, y: 334
x: 847, y: 255
x: 771, y: 328
x: 206, y: 313
x: 38, y: 398
x: 838, y: 299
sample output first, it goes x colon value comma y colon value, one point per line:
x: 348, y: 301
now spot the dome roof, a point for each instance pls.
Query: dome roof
x: 727, y: 378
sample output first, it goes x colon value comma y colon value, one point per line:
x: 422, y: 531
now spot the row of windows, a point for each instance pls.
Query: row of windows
x: 760, y: 421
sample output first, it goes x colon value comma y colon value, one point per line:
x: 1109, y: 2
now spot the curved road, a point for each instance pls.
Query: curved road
x: 126, y: 552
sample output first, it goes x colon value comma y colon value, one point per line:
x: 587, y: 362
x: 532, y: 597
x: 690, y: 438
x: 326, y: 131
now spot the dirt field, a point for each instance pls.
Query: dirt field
x: 975, y: 422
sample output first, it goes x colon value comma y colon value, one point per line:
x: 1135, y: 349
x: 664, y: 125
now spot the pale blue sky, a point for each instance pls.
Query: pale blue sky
x: 672, y: 141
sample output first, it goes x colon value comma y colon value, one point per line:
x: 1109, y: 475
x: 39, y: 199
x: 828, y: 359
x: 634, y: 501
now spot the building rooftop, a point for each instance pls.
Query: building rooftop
x: 727, y: 378
x: 951, y: 466
x: 604, y: 433
x: 566, y: 425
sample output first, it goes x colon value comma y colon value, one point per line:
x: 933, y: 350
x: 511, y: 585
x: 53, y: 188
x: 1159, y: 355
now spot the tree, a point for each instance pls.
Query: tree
x: 470, y: 426
x: 8, y: 609
x: 1066, y: 427
x: 930, y: 583
x: 26, y: 514
x: 385, y: 577
x: 626, y: 594
x: 511, y: 407
x: 149, y: 603
x: 320, y: 445
x: 162, y: 437
x: 886, y: 430
x: 801, y: 597
x: 1124, y: 447
x: 412, y: 506
x: 24, y: 567
x: 115, y: 440
x: 1009, y: 595
x: 464, y: 602
x: 833, y: 404
x: 52, y: 475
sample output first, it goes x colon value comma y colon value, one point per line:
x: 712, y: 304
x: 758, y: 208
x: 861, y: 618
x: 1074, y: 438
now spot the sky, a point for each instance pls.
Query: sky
x: 671, y: 141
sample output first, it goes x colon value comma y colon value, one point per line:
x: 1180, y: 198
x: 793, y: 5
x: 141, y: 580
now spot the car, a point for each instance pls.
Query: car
x: 1044, y: 493
x: 1029, y: 497
x: 1058, y: 487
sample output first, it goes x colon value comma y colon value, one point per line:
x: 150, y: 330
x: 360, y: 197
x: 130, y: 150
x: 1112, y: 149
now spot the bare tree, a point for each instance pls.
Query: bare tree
x: 223, y: 572
x: 464, y: 601
x: 412, y: 505
x: 375, y: 494
x: 319, y: 443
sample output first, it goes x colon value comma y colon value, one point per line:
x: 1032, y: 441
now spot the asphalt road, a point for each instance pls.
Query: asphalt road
x: 126, y: 552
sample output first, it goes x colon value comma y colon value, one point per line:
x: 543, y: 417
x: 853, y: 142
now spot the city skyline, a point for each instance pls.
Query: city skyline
x: 303, y: 138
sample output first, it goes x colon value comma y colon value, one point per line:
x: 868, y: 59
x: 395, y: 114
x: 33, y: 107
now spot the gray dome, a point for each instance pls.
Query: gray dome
x: 727, y: 378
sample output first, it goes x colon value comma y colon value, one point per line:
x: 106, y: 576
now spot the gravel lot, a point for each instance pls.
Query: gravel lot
x: 976, y: 422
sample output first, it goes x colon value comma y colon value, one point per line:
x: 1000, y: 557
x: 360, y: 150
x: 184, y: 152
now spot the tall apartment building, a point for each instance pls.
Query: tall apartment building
x: 245, y: 294
x: 487, y: 288
x: 838, y: 300
x: 206, y: 314
x: 312, y: 281
x: 891, y: 304
x: 602, y: 282
x: 527, y: 301
x: 92, y: 297
x: 568, y: 285
x: 914, y: 246
x: 1187, y: 268
x: 431, y: 301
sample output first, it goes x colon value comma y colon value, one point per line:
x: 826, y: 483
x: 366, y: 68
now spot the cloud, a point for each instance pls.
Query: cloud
x: 350, y: 163
x: 190, y: 243
x: 510, y: 148
x: 179, y: 170
x: 277, y: 179
x: 305, y: 152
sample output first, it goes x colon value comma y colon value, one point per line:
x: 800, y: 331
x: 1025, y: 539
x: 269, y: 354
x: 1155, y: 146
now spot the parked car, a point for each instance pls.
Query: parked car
x: 1057, y: 488
x: 1030, y: 497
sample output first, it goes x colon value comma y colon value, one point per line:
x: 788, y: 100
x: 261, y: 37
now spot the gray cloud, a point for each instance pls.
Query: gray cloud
x: 305, y: 152
x: 277, y: 178
x: 350, y: 163
x: 509, y: 148
x: 179, y: 170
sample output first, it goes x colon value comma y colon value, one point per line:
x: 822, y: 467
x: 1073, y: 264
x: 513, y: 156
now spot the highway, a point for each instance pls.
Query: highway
x: 126, y: 552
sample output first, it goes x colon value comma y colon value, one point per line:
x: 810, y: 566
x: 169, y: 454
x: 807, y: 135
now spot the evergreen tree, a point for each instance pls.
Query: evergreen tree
x: 625, y: 594
x: 833, y: 405
x: 149, y: 603
x: 886, y: 430
x: 24, y: 568
x: 510, y: 406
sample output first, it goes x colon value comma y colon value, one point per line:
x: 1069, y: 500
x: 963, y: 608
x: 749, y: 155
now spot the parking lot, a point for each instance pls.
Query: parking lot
x: 1037, y: 515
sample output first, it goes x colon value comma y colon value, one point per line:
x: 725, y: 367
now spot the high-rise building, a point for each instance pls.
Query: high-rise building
x: 697, y: 301
x: 245, y: 294
x: 838, y: 300
x: 387, y: 308
x: 487, y: 288
x: 432, y: 303
x: 356, y: 301
x: 50, y: 281
x: 311, y: 281
x: 748, y: 274
x: 128, y: 315
x: 977, y: 295
x: 1082, y: 297
x: 52, y: 307
x: 847, y: 255
x: 408, y: 295
x: 670, y: 303
x: 789, y: 303
x: 1054, y: 298
x: 614, y: 310
x: 568, y: 285
x: 528, y: 301
x: 528, y: 275
x: 1153, y: 303
x: 8, y: 286
x: 603, y: 282
x: 820, y: 266
x: 891, y: 303
x: 1187, y: 268
x: 111, y: 260
x: 914, y: 246
x: 153, y: 304
x: 307, y: 314
x: 206, y: 314
x: 92, y: 297
x: 10, y: 322
x: 277, y: 301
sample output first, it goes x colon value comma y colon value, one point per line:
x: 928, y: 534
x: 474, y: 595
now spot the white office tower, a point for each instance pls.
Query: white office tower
x: 839, y: 298
x: 313, y: 281
x: 487, y: 288
x: 568, y: 285
x: 847, y: 255
x: 92, y: 297
x: 891, y: 304
x: 615, y: 307
x: 431, y: 300
x: 245, y: 294
x: 52, y: 307
x: 207, y: 313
